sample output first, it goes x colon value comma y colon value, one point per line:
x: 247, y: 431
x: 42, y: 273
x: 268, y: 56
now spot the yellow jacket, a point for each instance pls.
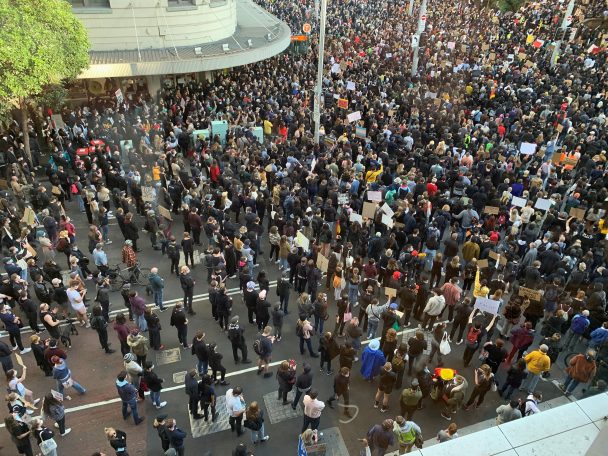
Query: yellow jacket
x: 537, y: 362
x: 478, y: 290
x: 372, y: 175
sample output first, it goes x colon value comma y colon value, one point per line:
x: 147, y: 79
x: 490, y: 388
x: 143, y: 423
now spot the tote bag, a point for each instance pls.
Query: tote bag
x: 444, y: 345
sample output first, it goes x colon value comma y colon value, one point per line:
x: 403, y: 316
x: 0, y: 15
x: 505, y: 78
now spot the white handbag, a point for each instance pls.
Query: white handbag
x: 444, y: 345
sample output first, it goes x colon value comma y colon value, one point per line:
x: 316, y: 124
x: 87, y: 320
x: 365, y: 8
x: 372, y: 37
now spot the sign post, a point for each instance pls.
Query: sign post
x: 319, y: 86
x: 565, y: 23
x: 416, y: 37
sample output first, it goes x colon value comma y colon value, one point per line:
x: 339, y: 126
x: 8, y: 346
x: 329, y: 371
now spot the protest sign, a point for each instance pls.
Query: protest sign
x: 354, y: 217
x: 350, y: 85
x: 343, y: 198
x: 519, y: 202
x: 487, y: 305
x: 534, y: 295
x: 577, y: 213
x: 497, y: 257
x: 57, y: 395
x: 335, y: 68
x: 451, y: 45
x: 369, y: 210
x: 360, y: 132
x: 148, y: 194
x: 387, y: 210
x: 543, y: 204
x: 374, y: 196
x: 165, y: 212
x: 482, y: 264
x: 527, y: 148
x: 342, y: 103
x: 354, y: 116
x: 390, y: 292
x: 387, y: 220
x: 322, y: 263
x: 491, y: 210
x: 19, y: 360
x: 302, y: 241
x: 29, y: 217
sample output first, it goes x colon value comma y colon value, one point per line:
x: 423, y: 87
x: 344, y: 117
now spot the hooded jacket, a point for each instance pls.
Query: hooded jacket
x: 138, y: 344
x: 304, y: 380
x: 581, y: 369
x: 435, y: 305
x: 126, y: 390
x: 456, y: 392
x: 537, y: 362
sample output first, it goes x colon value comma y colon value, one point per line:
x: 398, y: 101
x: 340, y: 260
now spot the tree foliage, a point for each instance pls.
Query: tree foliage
x: 41, y: 43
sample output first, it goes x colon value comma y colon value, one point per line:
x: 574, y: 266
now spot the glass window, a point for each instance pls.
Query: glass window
x: 90, y: 3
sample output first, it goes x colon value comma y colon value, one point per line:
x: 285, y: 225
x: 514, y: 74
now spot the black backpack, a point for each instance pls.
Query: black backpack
x: 522, y: 407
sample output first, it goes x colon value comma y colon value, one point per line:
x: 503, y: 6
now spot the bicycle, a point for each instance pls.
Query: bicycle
x: 119, y: 276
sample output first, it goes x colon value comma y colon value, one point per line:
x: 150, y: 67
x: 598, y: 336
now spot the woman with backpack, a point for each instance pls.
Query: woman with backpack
x: 286, y: 376
x: 484, y: 381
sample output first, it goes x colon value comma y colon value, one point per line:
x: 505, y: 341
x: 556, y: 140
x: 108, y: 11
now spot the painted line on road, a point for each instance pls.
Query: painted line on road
x: 168, y: 304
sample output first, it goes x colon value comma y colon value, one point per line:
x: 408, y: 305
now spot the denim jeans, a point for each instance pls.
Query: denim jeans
x: 125, y: 409
x: 531, y: 382
x: 284, y: 302
x: 202, y: 367
x: 283, y: 263
x: 372, y: 327
x: 308, y: 344
x: 258, y: 435
x: 80, y: 203
x: 319, y: 322
x: 158, y: 299
x: 155, y: 396
x: 297, y: 397
x: 77, y: 386
x: 570, y: 384
x: 141, y: 322
x: 105, y: 233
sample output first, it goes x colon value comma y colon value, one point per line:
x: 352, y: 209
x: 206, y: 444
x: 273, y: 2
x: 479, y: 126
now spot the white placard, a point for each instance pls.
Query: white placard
x: 543, y: 204
x: 432, y: 95
x: 374, y: 196
x: 387, y: 220
x: 350, y: 85
x: 354, y: 116
x: 527, y: 148
x: 148, y: 194
x: 302, y: 241
x: 487, y: 305
x: 451, y: 44
x: 519, y: 202
x: 335, y: 68
x: 387, y: 210
x: 354, y: 217
x: 343, y: 198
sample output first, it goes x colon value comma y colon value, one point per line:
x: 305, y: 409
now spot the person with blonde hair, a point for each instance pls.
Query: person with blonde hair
x: 118, y: 440
x: 484, y: 379
x: 385, y: 386
x: 254, y: 421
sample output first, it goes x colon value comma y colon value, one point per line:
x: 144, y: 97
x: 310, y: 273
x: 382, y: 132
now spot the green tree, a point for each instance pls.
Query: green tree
x: 42, y: 43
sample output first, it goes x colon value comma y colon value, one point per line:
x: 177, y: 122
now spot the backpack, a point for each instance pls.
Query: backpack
x: 522, y: 407
x: 171, y: 251
x: 234, y: 335
x: 257, y: 346
x: 579, y: 323
x: 398, y: 363
x: 472, y: 337
x: 299, y: 329
x: 551, y: 294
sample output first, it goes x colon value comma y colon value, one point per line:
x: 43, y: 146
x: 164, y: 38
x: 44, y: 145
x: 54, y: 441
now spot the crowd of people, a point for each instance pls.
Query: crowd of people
x: 469, y: 199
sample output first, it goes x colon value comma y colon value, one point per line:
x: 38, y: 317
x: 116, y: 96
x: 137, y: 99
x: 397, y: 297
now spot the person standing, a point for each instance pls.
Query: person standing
x: 187, y: 283
x: 161, y: 428
x: 448, y: 434
x: 128, y: 395
x: 283, y: 291
x: 235, y: 405
x: 454, y: 391
x: 484, y: 379
x: 53, y: 408
x: 223, y: 307
x: 154, y: 328
x: 341, y: 388
x: 118, y: 441
x: 410, y: 398
x: 385, y: 387
x: 303, y: 384
x: 264, y: 351
x: 406, y: 433
x: 12, y: 324
x: 262, y: 313
x: 176, y: 437
x: 537, y: 362
x: 416, y: 347
x: 179, y: 320
x: 173, y: 253
x: 157, y: 284
x: 138, y: 344
x: 206, y: 394
x: 381, y: 437
x: 515, y: 376
x: 581, y: 369
x: 122, y: 331
x: 304, y: 331
x: 254, y: 421
x: 41, y: 433
x: 100, y: 325
x: 215, y: 363
x: 138, y: 306
x: 20, y: 434
x: 192, y: 391
x: 155, y: 384
x: 434, y: 307
x: 286, y: 376
x: 312, y: 411
x: 372, y: 360
x: 200, y: 349
x: 508, y: 412
x: 236, y: 335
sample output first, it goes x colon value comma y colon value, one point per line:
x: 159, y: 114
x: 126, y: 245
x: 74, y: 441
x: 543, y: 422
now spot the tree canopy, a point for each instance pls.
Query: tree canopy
x: 42, y: 42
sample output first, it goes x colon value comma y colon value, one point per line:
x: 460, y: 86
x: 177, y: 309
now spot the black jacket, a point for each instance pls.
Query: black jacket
x: 153, y: 381
x: 199, y: 348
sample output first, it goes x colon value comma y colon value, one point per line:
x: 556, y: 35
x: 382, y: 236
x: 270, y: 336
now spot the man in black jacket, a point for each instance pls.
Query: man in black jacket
x: 250, y: 297
x: 199, y: 348
x: 224, y: 307
x: 303, y: 384
x: 236, y: 334
x: 191, y: 386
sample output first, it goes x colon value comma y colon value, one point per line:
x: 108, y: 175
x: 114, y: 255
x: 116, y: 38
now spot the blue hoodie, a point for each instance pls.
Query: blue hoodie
x: 126, y: 390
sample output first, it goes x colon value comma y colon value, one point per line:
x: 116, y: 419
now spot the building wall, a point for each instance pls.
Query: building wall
x: 156, y: 25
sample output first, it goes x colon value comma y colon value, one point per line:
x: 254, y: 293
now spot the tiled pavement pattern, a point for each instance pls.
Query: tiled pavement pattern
x: 333, y: 443
x: 179, y: 377
x: 172, y: 355
x: 200, y: 427
x: 277, y: 412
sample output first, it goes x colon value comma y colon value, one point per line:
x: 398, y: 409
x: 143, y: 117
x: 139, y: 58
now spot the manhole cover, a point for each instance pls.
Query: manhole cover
x: 172, y: 355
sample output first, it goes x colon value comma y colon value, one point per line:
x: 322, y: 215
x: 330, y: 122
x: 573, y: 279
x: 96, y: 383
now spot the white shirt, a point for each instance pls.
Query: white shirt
x: 74, y: 298
x: 234, y: 404
x: 312, y: 407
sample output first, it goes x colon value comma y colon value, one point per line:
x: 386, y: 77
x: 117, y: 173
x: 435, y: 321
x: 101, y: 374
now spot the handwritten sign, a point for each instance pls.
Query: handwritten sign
x: 487, y: 305
x: 165, y: 212
x: 374, y: 196
x: 491, y: 210
x: 29, y: 217
x: 482, y: 264
x: 390, y: 292
x: 519, y: 202
x: 369, y: 210
x: 148, y: 194
x: 577, y: 213
x: 527, y: 148
x: 343, y: 198
x: 387, y: 220
x: 302, y: 241
x: 530, y: 293
x: 387, y: 210
x: 543, y: 204
x: 350, y: 85
x: 356, y: 218
x: 354, y: 116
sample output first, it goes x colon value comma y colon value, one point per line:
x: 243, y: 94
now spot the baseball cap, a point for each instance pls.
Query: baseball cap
x: 393, y: 305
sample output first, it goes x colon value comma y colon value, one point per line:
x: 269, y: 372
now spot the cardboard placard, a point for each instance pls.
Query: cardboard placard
x: 577, y: 213
x: 148, y: 194
x: 390, y: 292
x: 487, y: 305
x: 500, y: 259
x: 374, y: 196
x: 302, y: 241
x: 322, y: 263
x: 533, y: 295
x: 543, y: 204
x: 343, y: 103
x: 29, y: 217
x: 19, y: 359
x: 491, y: 210
x: 492, y: 56
x: 482, y: 264
x: 166, y: 213
x: 559, y: 128
x: 369, y: 210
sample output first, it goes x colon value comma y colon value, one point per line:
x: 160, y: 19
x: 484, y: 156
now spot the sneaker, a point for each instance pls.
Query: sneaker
x: 356, y: 359
x: 330, y: 372
x: 376, y: 404
x: 383, y: 410
x: 15, y: 348
x: 265, y: 438
x: 163, y: 309
x: 25, y: 350
x: 88, y: 325
x: 30, y: 412
x: 108, y: 242
x: 449, y: 339
x: 57, y: 425
x: 67, y: 431
x: 161, y: 405
x: 36, y: 401
x: 459, y: 342
x: 447, y: 417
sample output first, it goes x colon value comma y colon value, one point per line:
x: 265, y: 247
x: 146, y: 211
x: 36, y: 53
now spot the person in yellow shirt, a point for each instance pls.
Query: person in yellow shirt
x: 267, y: 127
x: 537, y: 362
x: 372, y: 175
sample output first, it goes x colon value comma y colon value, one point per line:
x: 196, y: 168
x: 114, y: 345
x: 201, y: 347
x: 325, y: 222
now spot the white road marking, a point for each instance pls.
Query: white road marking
x: 353, y: 417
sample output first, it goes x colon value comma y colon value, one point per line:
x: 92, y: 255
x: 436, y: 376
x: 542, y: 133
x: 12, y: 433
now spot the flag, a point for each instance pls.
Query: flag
x: 538, y: 43
x: 529, y: 39
x: 593, y: 49
x: 301, y: 448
